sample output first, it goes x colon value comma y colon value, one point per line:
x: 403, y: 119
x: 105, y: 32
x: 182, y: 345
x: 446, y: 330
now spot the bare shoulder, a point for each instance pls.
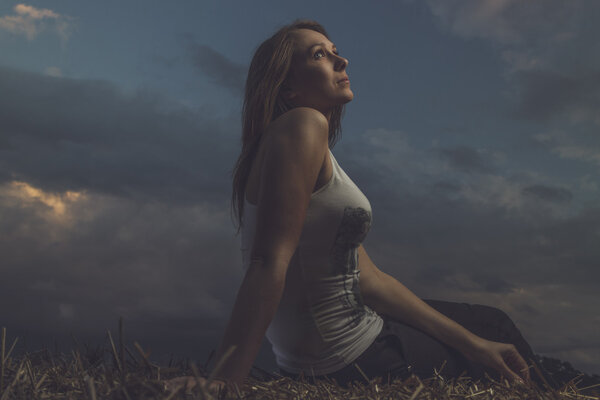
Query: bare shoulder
x: 300, y: 134
x: 300, y: 119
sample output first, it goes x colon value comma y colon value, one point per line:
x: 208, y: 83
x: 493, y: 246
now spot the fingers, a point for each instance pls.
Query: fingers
x: 512, y: 363
x: 520, y: 365
x: 524, y: 371
x: 505, y: 370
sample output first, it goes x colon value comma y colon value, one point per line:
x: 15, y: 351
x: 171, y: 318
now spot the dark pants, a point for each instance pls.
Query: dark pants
x: 401, y: 350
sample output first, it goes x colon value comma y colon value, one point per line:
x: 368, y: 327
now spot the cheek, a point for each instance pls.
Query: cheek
x: 314, y: 80
x: 321, y: 80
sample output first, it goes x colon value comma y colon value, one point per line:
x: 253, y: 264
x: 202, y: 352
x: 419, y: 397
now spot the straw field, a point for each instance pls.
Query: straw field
x: 117, y: 371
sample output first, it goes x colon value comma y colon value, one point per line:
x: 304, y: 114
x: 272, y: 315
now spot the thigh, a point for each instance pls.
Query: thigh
x: 424, y: 353
x: 490, y: 323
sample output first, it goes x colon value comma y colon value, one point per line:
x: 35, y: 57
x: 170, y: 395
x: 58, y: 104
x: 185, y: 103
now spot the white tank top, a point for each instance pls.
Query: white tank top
x: 322, y: 323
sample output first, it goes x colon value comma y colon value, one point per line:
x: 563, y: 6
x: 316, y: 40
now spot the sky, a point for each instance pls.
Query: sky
x: 473, y: 132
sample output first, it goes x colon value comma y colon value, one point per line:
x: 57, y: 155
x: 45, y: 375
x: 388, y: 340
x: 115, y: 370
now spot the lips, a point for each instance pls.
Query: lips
x: 344, y: 80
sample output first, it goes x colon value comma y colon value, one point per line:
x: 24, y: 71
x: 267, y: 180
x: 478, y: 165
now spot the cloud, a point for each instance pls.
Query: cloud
x: 31, y: 21
x: 64, y: 134
x: 549, y: 49
x: 216, y: 66
x: 498, y: 229
x: 488, y: 19
x: 158, y: 261
x: 103, y: 191
x: 466, y: 159
x: 53, y: 71
x: 546, y: 95
x: 509, y: 22
x: 547, y: 193
x: 573, y: 146
x: 474, y: 176
x: 52, y: 206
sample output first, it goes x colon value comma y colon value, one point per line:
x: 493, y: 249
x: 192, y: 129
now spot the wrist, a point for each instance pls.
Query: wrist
x: 473, y: 347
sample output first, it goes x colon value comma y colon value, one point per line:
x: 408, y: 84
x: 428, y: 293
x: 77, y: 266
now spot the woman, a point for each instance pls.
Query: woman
x: 303, y: 224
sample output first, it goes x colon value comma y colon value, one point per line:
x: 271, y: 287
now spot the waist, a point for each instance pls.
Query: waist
x: 301, y: 348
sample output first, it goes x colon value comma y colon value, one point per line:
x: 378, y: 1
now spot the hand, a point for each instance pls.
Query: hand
x: 503, y: 357
x: 188, y: 382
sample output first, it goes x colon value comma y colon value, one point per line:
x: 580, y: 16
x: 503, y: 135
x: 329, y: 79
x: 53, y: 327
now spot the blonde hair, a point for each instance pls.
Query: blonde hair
x: 263, y: 102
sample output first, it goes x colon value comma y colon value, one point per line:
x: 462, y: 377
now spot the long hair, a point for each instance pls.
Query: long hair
x: 263, y: 103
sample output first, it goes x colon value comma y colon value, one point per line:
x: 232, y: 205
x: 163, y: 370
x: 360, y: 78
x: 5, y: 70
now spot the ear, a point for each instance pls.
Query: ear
x: 287, y: 92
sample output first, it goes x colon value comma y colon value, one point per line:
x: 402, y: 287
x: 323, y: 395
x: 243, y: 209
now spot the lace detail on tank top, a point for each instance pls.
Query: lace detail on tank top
x: 352, y: 230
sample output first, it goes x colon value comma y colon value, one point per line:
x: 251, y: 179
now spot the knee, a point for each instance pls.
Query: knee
x: 494, y: 314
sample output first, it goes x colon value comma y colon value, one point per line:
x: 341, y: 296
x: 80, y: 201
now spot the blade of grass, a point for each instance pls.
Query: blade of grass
x: 3, y: 343
x: 359, y: 370
x: 539, y: 373
x: 90, y: 383
x: 11, y: 349
x: 114, y: 351
x: 220, y: 362
x: 121, y: 345
x: 16, y: 378
x: 143, y: 354
x: 39, y: 383
x: 197, y: 376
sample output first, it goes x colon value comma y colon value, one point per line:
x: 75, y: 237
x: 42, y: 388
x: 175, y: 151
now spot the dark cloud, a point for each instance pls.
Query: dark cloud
x: 446, y: 189
x: 549, y: 48
x: 510, y: 22
x: 545, y: 95
x: 527, y: 309
x: 440, y: 229
x: 465, y: 159
x: 216, y: 66
x: 65, y: 134
x: 547, y: 193
x: 151, y: 238
x: 433, y: 275
x: 152, y: 263
x: 495, y: 284
x: 165, y: 61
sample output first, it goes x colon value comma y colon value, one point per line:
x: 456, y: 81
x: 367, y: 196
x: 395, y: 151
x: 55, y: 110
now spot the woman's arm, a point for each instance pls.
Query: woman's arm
x: 290, y: 169
x: 255, y: 306
x: 396, y: 300
x: 385, y: 295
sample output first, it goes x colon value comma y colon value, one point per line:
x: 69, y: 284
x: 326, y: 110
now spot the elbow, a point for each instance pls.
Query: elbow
x: 269, y: 269
x: 376, y: 296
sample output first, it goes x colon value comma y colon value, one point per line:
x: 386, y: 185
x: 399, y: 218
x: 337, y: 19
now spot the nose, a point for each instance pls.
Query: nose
x: 341, y: 63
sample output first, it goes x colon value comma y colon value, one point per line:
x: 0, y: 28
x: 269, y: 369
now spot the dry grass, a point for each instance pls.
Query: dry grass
x: 116, y: 372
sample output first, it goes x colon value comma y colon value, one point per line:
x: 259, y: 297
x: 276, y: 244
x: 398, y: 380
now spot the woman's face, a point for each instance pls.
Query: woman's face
x: 317, y: 72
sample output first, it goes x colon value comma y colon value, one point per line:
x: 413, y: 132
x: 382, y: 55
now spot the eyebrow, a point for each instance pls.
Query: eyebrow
x: 320, y: 44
